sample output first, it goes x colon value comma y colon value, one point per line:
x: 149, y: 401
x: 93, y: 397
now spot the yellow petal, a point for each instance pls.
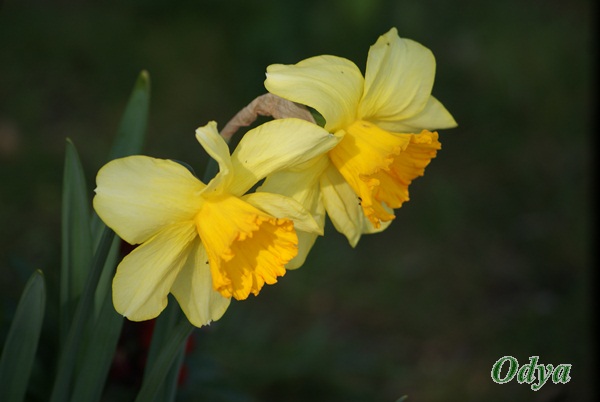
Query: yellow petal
x: 144, y: 277
x: 302, y: 184
x: 331, y: 85
x: 345, y: 210
x: 433, y: 117
x: 297, y: 182
x: 137, y: 196
x: 398, y: 79
x: 305, y: 242
x: 367, y: 225
x: 307, y: 228
x: 342, y: 204
x: 208, y: 136
x: 276, y: 145
x: 194, y: 291
x: 406, y: 166
x: 246, y: 247
x: 379, y: 166
x: 280, y: 206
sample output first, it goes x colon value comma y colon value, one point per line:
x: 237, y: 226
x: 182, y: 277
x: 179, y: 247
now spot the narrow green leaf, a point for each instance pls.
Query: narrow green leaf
x: 168, y: 391
x: 319, y: 119
x: 132, y: 129
x: 171, y: 349
x: 98, y: 356
x: 76, y: 237
x: 212, y: 168
x: 161, y: 331
x: 160, y: 335
x: 131, y: 134
x: 105, y: 281
x: 21, y: 343
x: 68, y: 355
x: 129, y: 140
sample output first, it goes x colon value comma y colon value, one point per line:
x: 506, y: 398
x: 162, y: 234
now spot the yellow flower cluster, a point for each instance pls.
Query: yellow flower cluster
x: 207, y: 243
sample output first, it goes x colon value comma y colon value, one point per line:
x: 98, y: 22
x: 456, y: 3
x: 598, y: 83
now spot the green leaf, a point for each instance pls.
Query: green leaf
x: 170, y: 351
x: 129, y: 140
x: 319, y: 119
x: 168, y: 391
x: 212, y: 168
x: 160, y: 335
x: 101, y: 341
x: 76, y: 237
x: 105, y: 281
x: 100, y: 324
x: 21, y: 343
x: 161, y: 331
x: 99, y: 353
x: 132, y: 129
x: 131, y: 132
x: 69, y: 352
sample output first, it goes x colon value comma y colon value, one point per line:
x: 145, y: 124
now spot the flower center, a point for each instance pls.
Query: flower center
x: 246, y: 247
x: 380, y: 165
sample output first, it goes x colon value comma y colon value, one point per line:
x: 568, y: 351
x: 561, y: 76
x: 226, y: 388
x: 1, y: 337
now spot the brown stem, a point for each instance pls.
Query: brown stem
x: 265, y: 105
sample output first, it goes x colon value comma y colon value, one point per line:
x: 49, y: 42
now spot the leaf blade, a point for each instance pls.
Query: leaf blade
x: 68, y: 355
x: 98, y: 354
x: 76, y: 247
x: 165, y: 361
x: 21, y: 343
x: 130, y: 138
x: 132, y: 128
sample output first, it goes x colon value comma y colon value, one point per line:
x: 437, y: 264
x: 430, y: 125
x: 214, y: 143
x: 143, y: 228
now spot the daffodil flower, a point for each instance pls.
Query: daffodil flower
x: 206, y: 243
x: 383, y: 121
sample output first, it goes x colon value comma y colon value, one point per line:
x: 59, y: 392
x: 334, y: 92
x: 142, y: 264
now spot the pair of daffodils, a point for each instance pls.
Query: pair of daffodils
x: 207, y: 243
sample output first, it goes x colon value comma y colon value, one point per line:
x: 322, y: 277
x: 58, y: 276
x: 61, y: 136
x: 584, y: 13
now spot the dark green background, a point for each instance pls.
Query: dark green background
x: 491, y: 257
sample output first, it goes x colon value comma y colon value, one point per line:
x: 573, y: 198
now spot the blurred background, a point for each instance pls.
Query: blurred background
x: 491, y: 257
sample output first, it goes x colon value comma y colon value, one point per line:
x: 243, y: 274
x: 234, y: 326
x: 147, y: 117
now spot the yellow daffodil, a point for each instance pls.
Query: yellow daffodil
x: 206, y: 243
x: 383, y: 121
